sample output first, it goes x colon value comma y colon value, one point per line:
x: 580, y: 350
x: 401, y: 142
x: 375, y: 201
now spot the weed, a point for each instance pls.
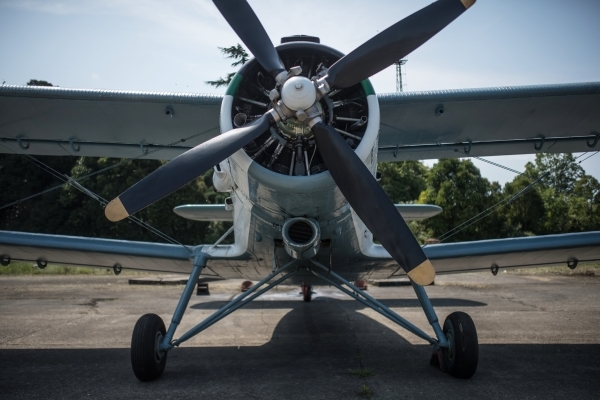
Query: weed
x: 365, y: 391
x: 362, y: 373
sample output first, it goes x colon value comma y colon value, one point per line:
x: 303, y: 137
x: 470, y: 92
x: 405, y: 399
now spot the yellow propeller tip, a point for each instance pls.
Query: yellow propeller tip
x: 423, y: 274
x: 115, y: 211
x: 467, y: 3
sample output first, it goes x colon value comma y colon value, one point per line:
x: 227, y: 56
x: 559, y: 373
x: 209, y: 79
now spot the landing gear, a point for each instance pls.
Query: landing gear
x: 462, y: 354
x: 307, y: 292
x: 147, y: 359
x: 455, y: 346
x: 150, y: 342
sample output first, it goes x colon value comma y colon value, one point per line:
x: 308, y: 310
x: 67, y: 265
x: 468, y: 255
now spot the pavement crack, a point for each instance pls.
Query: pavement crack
x: 262, y: 318
x: 93, y: 303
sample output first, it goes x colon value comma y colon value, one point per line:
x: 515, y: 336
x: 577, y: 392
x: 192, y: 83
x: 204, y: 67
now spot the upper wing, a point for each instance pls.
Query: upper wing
x: 104, y: 123
x: 488, y: 122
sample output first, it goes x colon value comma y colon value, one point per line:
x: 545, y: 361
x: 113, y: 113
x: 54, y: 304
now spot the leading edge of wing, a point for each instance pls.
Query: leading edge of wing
x: 55, y: 92
x: 519, y: 252
x: 490, y: 93
x: 514, y: 252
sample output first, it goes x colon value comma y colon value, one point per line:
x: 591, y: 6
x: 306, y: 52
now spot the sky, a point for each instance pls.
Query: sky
x: 172, y: 46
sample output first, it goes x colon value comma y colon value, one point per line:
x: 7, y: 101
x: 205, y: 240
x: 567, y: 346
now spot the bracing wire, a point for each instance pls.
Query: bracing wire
x: 123, y: 161
x: 499, y: 165
x: 70, y: 181
x: 502, y: 203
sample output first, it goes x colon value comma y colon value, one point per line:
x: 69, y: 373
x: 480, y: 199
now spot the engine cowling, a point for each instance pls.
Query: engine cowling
x: 289, y: 147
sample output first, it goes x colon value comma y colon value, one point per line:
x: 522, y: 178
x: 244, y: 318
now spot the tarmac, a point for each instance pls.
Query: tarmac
x: 69, y: 337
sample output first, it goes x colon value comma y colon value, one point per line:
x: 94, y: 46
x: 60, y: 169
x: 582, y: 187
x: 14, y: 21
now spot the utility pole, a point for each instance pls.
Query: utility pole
x: 399, y: 64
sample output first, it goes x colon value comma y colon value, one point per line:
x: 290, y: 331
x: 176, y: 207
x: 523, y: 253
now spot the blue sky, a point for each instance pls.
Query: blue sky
x: 172, y: 46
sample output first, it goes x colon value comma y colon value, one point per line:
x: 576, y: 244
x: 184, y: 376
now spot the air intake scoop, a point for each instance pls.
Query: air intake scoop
x: 301, y: 237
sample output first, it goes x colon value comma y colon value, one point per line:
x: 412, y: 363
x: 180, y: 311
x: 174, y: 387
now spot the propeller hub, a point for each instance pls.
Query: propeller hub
x: 298, y: 93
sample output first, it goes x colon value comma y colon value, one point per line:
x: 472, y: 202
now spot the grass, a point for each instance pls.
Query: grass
x: 362, y: 373
x: 365, y: 391
x: 25, y: 269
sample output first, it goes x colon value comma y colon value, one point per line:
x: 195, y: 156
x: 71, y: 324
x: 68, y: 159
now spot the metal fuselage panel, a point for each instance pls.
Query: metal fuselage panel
x: 270, y: 198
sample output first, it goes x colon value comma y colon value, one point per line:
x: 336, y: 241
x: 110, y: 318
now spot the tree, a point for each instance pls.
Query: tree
x: 87, y: 218
x: 570, y: 197
x: 525, y: 213
x: 20, y: 177
x: 458, y: 187
x: 36, y: 82
x: 562, y: 169
x: 237, y: 53
x: 68, y: 211
x: 588, y: 188
x: 403, y: 181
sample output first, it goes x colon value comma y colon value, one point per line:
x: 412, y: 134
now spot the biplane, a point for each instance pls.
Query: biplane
x: 295, y: 142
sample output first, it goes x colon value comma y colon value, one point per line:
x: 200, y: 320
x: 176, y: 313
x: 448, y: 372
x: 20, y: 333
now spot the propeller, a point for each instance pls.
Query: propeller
x: 394, y: 43
x: 240, y: 16
x: 353, y: 178
x: 371, y: 204
x: 184, y: 168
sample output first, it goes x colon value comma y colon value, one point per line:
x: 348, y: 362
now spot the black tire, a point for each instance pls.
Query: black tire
x: 147, y: 361
x: 307, y: 294
x: 460, y: 360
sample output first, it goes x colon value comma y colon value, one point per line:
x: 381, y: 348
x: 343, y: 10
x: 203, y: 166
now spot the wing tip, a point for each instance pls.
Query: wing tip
x: 423, y: 274
x: 115, y: 211
x: 468, y: 3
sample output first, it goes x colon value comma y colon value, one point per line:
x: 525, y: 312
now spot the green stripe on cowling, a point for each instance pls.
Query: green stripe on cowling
x: 367, y: 87
x: 234, y: 85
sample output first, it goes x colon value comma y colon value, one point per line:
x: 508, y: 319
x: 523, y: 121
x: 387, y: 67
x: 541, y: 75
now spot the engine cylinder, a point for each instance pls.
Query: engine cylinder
x: 301, y: 237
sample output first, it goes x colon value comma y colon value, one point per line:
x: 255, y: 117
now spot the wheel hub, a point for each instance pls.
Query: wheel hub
x: 158, y: 353
x: 450, y: 350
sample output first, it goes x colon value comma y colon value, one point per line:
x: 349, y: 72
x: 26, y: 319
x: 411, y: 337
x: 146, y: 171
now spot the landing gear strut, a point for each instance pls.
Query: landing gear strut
x: 150, y: 344
x: 306, y: 292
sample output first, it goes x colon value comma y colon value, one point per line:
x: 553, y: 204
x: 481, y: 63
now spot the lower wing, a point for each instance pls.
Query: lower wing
x: 446, y: 258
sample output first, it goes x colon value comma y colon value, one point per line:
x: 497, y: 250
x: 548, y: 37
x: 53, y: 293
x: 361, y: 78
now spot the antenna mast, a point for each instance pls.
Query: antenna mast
x: 399, y: 64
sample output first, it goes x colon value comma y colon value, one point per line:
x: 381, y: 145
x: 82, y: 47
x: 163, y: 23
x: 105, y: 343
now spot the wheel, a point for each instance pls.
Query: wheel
x: 307, y: 293
x: 147, y: 360
x: 460, y: 359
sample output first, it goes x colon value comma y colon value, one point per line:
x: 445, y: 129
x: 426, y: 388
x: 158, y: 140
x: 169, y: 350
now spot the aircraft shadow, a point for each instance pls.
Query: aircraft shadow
x: 351, y: 304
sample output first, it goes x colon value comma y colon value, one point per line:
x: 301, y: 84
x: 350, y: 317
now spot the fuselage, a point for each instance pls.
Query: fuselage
x: 265, y: 193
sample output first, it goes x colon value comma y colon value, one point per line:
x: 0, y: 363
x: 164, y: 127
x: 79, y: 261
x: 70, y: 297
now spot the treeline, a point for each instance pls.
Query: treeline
x: 68, y: 211
x: 552, y: 196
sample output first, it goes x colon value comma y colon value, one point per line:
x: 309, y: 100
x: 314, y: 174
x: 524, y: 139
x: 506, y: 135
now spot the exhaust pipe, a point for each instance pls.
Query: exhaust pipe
x: 301, y: 237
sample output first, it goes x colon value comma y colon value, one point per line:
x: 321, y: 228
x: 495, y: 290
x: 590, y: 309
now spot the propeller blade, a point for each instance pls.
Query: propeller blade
x: 372, y: 205
x: 183, y: 169
x: 240, y: 16
x: 394, y: 43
